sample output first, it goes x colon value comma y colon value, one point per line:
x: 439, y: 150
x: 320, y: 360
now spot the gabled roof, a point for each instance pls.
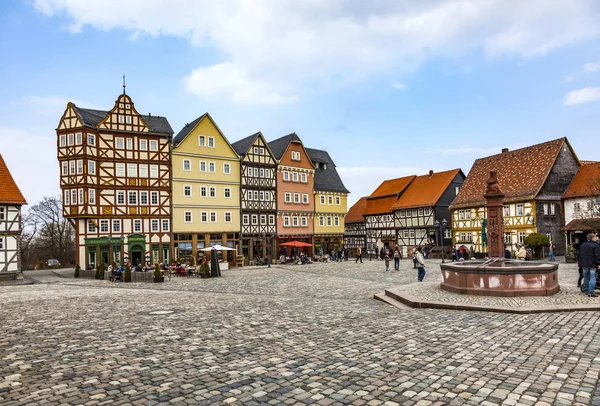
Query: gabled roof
x: 187, y: 129
x: 91, y: 118
x: 426, y: 190
x: 588, y: 162
x: 242, y: 146
x: 327, y: 179
x: 9, y: 191
x: 355, y: 214
x: 586, y: 182
x: 279, y: 145
x: 386, y: 195
x: 583, y: 225
x: 521, y: 173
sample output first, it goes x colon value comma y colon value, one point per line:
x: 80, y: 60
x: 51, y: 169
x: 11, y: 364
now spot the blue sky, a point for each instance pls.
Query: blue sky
x: 389, y: 88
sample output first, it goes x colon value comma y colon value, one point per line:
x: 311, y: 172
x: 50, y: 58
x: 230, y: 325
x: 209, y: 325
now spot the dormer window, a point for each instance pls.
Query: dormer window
x: 295, y: 155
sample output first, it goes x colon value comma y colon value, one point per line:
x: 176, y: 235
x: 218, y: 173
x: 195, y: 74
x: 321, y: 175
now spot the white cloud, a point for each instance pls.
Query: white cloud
x: 592, y: 67
x: 274, y: 51
x: 585, y: 95
x: 398, y: 85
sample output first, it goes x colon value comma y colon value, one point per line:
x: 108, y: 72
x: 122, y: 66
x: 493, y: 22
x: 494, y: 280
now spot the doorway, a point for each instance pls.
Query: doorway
x: 137, y: 252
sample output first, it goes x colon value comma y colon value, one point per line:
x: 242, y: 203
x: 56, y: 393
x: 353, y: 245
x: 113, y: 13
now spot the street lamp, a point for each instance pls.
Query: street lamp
x: 441, y: 225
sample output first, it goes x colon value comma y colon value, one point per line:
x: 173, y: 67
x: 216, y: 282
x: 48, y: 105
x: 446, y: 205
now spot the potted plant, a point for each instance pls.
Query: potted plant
x: 158, y: 276
x: 127, y: 273
x: 99, y: 272
x: 570, y: 254
x: 204, y: 270
x: 77, y: 269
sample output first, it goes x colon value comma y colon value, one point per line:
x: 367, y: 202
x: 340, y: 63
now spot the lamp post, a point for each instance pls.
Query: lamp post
x: 441, y: 225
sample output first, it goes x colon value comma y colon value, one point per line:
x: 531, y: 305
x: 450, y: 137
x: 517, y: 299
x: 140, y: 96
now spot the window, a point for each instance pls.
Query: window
x: 132, y: 170
x: 213, y: 191
x: 420, y: 212
x: 79, y: 166
x: 261, y: 172
x: 128, y: 119
x: 71, y: 138
x: 507, y: 238
x: 577, y: 207
x: 295, y: 221
x: 263, y: 219
x: 228, y: 217
x: 303, y: 221
x: 305, y: 198
x: 104, y: 226
x: 461, y: 216
x: 116, y: 226
x: 79, y: 197
x: 72, y: 167
x: 245, y: 219
x: 92, y: 196
x: 255, y: 172
x: 549, y: 235
x: 119, y: 143
x: 154, y: 225
x: 120, y: 169
x: 78, y: 139
x: 255, y: 219
x: 447, y: 233
x: 165, y: 225
x: 65, y: 167
x: 553, y: 209
x: 271, y: 219
x: 286, y: 221
x: 143, y: 145
x: 137, y: 226
x: 402, y: 214
x: 187, y: 216
x: 255, y: 150
x: 202, y: 140
x: 467, y: 214
x: 295, y: 155
x: 154, y: 171
x: 322, y: 199
x: 154, y: 198
x: 120, y: 197
x: 521, y: 237
x: 330, y: 199
x: 211, y: 142
x: 411, y: 233
x: 328, y: 221
x: 294, y: 176
x: 144, y: 198
x: 286, y: 176
x: 187, y: 191
x: 405, y: 234
x: 338, y: 201
x: 227, y: 192
x: 256, y: 195
x: 261, y: 196
x: 92, y: 167
x: 519, y: 209
x: 132, y: 198
x: 129, y: 142
x: 303, y: 178
x: 204, y: 217
x: 63, y: 141
x: 545, y: 207
x: 202, y: 166
x: 336, y: 221
x: 153, y: 145
x: 288, y: 197
x: 226, y: 169
x: 121, y: 119
x: 267, y: 173
x: 506, y: 211
x: 321, y: 221
x: 91, y: 139
x: 426, y: 211
x: 213, y: 215
x: 211, y: 167
x: 202, y: 191
x: 91, y: 227
x: 297, y: 198
x: 187, y: 165
x: 67, y: 199
x: 143, y: 171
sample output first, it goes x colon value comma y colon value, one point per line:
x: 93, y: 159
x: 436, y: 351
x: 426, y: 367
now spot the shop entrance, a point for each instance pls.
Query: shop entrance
x: 137, y: 252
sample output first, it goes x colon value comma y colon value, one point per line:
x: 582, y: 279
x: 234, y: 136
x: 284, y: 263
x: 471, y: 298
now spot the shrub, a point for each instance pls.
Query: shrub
x: 128, y: 273
x: 157, y: 272
x: 204, y: 268
x: 536, y: 241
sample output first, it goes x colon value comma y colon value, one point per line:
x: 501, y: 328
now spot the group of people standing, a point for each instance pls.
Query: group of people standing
x: 589, y: 261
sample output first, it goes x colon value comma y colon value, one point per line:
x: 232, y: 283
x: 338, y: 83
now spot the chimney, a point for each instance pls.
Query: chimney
x: 430, y: 173
x: 149, y: 114
x: 504, y: 150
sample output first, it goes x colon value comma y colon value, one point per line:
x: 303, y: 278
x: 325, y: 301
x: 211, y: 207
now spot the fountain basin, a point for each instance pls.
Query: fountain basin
x: 500, y: 277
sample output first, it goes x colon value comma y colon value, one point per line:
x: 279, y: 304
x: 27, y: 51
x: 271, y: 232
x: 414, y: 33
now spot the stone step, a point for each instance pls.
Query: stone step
x: 391, y: 301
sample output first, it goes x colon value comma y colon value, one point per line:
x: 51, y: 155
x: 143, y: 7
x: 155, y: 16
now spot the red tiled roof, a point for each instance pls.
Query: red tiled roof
x: 425, y: 190
x: 588, y: 162
x: 384, y: 197
x: 583, y: 225
x: 355, y: 214
x: 521, y: 173
x: 585, y: 183
x: 9, y: 191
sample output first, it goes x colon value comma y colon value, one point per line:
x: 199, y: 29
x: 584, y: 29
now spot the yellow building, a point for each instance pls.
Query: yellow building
x: 206, y: 190
x: 331, y: 203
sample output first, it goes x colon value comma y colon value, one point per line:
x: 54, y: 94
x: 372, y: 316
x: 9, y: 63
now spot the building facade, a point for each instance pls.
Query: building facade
x: 355, y: 233
x: 533, y: 180
x: 258, y: 199
x: 115, y: 169
x: 295, y: 192
x: 206, y: 190
x: 331, y: 203
x: 11, y: 201
x: 425, y: 201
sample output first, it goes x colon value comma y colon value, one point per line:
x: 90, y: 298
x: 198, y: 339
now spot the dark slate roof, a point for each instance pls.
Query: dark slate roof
x: 91, y: 118
x: 242, y: 146
x: 326, y: 179
x: 186, y: 130
x: 279, y: 145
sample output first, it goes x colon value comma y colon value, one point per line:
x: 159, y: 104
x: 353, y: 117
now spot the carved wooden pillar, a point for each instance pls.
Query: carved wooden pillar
x: 495, y: 217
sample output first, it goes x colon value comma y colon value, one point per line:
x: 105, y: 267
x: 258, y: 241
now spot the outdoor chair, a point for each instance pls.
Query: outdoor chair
x: 115, y: 278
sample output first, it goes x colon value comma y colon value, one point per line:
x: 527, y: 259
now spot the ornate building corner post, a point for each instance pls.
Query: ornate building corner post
x: 495, y: 205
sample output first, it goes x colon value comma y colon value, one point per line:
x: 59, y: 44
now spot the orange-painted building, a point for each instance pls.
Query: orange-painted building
x: 295, y: 193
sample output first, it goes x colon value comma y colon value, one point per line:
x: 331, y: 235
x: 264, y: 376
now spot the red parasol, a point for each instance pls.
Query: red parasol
x: 295, y: 244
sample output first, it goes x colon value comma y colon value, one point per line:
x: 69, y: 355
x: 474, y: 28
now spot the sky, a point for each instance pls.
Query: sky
x: 388, y: 88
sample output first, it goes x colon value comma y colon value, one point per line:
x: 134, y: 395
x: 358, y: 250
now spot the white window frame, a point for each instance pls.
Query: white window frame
x: 288, y: 197
x: 520, y: 209
x: 65, y: 168
x: 329, y: 221
x: 303, y: 221
x: 271, y: 219
x: 321, y: 221
x: 78, y: 138
x: 153, y: 145
x: 79, y: 166
x: 213, y: 217
x: 91, y: 196
x: 116, y: 226
x: 187, y: 165
x: 553, y: 209
x: 322, y: 199
x: 296, y: 198
x: 204, y: 217
x: 154, y: 197
x: 153, y: 171
x: 286, y: 176
x: 70, y: 139
x: 137, y: 226
x: 338, y: 201
x: 303, y: 178
x: 286, y: 221
x: 203, y: 191
x: 120, y: 143
x: 202, y: 166
x: 91, y: 228
x: 128, y: 143
x: 295, y: 177
x: 63, y: 141
x: 305, y: 198
x: 227, y: 168
x: 202, y: 140
x: 120, y: 169
x: 154, y: 226
x: 330, y: 200
x: 255, y: 219
x: 187, y: 190
x: 104, y: 226
x: 91, y: 139
x: 227, y: 191
x: 212, y: 192
x: 143, y: 145
x: 166, y: 226
x: 143, y: 170
x: 211, y: 142
x: 144, y: 198
x: 226, y: 215
x: 91, y: 167
x: 245, y: 219
x: 132, y: 198
x: 336, y: 221
x: 187, y: 217
x: 121, y: 197
x: 295, y: 221
x: 212, y: 167
x: 132, y: 171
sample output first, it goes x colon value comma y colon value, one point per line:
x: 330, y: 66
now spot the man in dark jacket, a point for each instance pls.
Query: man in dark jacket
x: 589, y: 260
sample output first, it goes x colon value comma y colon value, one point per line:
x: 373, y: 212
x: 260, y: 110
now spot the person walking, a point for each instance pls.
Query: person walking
x: 589, y: 260
x: 414, y: 258
x: 420, y: 264
x: 387, y: 262
x: 552, y: 249
x: 397, y: 259
x: 359, y: 254
x: 521, y: 253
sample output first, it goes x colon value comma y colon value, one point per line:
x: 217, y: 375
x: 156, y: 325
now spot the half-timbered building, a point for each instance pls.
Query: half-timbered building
x: 355, y: 234
x: 425, y: 201
x: 295, y: 191
x: 258, y: 199
x: 11, y: 201
x: 581, y: 202
x: 115, y: 169
x: 331, y: 203
x: 379, y: 215
x: 533, y: 179
x: 206, y: 190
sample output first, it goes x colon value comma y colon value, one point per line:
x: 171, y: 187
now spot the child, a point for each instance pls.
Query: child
x: 387, y: 263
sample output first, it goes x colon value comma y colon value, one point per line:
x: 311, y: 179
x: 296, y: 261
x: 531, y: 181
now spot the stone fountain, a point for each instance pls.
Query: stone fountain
x: 497, y: 276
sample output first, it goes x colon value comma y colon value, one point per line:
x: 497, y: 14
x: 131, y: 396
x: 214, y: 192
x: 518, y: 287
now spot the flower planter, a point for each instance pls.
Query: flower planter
x: 159, y: 279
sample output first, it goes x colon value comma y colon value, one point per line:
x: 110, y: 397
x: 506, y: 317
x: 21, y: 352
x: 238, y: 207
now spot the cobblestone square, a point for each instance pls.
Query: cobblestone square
x: 286, y: 335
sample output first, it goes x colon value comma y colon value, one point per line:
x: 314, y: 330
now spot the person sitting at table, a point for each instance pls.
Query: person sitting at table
x: 181, y: 270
